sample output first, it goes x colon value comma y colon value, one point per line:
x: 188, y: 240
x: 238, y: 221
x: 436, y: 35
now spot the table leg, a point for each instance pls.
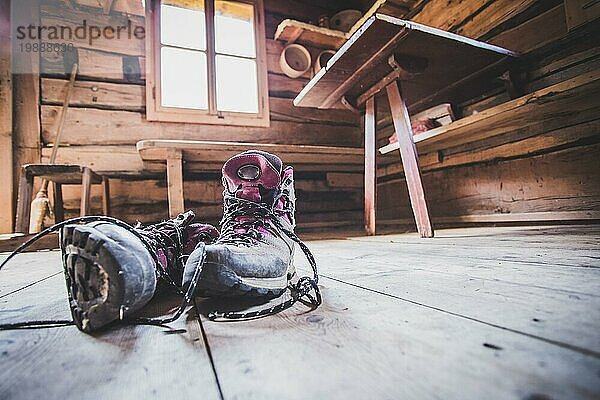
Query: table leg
x: 410, y: 159
x: 24, y: 202
x: 370, y: 167
x: 86, y: 188
x: 175, y: 182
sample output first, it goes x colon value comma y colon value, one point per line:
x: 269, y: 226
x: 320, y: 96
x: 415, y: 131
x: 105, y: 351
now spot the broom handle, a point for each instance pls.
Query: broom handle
x: 63, y: 115
x: 61, y: 121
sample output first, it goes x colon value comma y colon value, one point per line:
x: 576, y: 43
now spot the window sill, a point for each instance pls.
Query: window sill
x: 230, y: 119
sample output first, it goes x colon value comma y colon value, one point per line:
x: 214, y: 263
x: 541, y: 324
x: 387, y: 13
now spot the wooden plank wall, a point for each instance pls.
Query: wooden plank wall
x: 545, y: 171
x: 6, y: 140
x: 107, y: 118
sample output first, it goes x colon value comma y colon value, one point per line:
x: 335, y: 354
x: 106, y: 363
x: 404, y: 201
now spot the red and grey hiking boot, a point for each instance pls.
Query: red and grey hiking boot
x: 112, y: 269
x: 253, y: 255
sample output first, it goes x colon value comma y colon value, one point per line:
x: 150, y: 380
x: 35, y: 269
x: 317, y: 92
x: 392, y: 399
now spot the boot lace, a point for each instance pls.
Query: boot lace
x: 153, y: 238
x: 166, y: 236
x: 241, y: 219
x: 241, y: 222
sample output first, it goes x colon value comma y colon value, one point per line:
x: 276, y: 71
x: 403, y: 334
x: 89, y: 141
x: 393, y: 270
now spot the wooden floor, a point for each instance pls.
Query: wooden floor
x: 479, y: 313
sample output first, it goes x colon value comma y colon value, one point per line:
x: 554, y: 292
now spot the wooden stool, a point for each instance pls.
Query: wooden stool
x: 59, y: 175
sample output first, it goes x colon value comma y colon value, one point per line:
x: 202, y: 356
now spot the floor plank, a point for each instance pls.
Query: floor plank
x: 27, y: 269
x: 537, y: 252
x: 403, y: 317
x: 121, y: 363
x: 557, y: 303
x: 361, y: 344
x: 579, y: 237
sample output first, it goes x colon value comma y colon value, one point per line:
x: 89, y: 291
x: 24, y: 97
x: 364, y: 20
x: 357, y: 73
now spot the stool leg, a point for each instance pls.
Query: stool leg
x: 59, y: 210
x: 105, y: 196
x: 86, y: 187
x: 24, y: 202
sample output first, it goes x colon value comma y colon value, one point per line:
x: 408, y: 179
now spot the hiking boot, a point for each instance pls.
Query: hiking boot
x: 113, y: 269
x: 253, y: 255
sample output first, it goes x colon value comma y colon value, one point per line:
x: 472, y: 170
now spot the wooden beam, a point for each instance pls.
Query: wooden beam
x: 132, y: 45
x: 9, y: 244
x: 6, y: 130
x: 524, y: 217
x: 403, y: 70
x: 121, y: 6
x: 26, y: 93
x: 579, y: 12
x: 370, y: 167
x: 295, y: 34
x: 410, y: 159
x: 107, y: 127
x: 535, y: 32
x: 363, y: 70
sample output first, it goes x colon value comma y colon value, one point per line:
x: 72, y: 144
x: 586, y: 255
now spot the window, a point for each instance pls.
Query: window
x: 207, y: 62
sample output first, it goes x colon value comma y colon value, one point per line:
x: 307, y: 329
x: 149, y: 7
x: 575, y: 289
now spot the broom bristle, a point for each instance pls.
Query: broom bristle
x: 39, y: 209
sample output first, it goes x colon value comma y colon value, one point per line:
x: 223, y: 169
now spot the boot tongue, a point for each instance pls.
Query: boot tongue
x: 253, y: 175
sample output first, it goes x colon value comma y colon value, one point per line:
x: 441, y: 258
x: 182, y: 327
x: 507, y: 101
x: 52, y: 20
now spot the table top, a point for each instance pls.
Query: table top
x: 442, y: 62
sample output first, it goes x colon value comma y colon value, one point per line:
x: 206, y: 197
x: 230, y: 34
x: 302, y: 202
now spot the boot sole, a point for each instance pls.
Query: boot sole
x: 217, y: 280
x: 105, y: 281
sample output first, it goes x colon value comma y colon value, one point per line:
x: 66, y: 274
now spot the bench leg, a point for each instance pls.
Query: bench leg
x: 59, y: 211
x: 370, y: 167
x: 175, y: 182
x: 105, y: 196
x: 86, y: 188
x: 24, y: 202
x: 410, y: 159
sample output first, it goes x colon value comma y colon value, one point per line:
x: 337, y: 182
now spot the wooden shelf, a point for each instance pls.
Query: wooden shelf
x: 292, y: 31
x: 522, y: 116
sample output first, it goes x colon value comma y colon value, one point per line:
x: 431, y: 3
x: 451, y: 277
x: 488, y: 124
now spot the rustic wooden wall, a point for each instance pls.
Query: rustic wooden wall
x: 528, y: 174
x: 107, y: 118
x: 545, y: 170
x: 6, y: 139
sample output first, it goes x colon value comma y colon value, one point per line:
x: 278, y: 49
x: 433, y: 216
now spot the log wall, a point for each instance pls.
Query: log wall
x: 542, y: 171
x: 545, y: 170
x: 107, y: 118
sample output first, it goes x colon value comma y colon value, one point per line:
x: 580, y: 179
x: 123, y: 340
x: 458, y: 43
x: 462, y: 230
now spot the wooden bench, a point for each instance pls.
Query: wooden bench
x: 203, y: 156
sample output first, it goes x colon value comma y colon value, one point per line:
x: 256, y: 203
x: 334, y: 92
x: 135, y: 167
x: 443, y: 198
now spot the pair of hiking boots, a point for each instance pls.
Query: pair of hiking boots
x: 113, y: 269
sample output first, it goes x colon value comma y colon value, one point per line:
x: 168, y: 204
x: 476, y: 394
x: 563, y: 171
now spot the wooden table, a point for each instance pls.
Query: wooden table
x: 419, y: 67
x: 203, y: 156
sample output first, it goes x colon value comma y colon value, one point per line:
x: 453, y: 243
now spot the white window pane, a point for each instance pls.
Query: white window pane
x: 183, y: 78
x: 234, y: 28
x: 237, y: 86
x: 183, y: 27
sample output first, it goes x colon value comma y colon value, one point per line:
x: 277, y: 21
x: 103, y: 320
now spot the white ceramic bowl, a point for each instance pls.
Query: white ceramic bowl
x: 295, y: 60
x: 322, y: 59
x: 344, y: 20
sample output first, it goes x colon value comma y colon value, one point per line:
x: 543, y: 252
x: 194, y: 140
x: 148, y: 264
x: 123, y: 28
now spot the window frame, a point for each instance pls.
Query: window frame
x: 155, y: 111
